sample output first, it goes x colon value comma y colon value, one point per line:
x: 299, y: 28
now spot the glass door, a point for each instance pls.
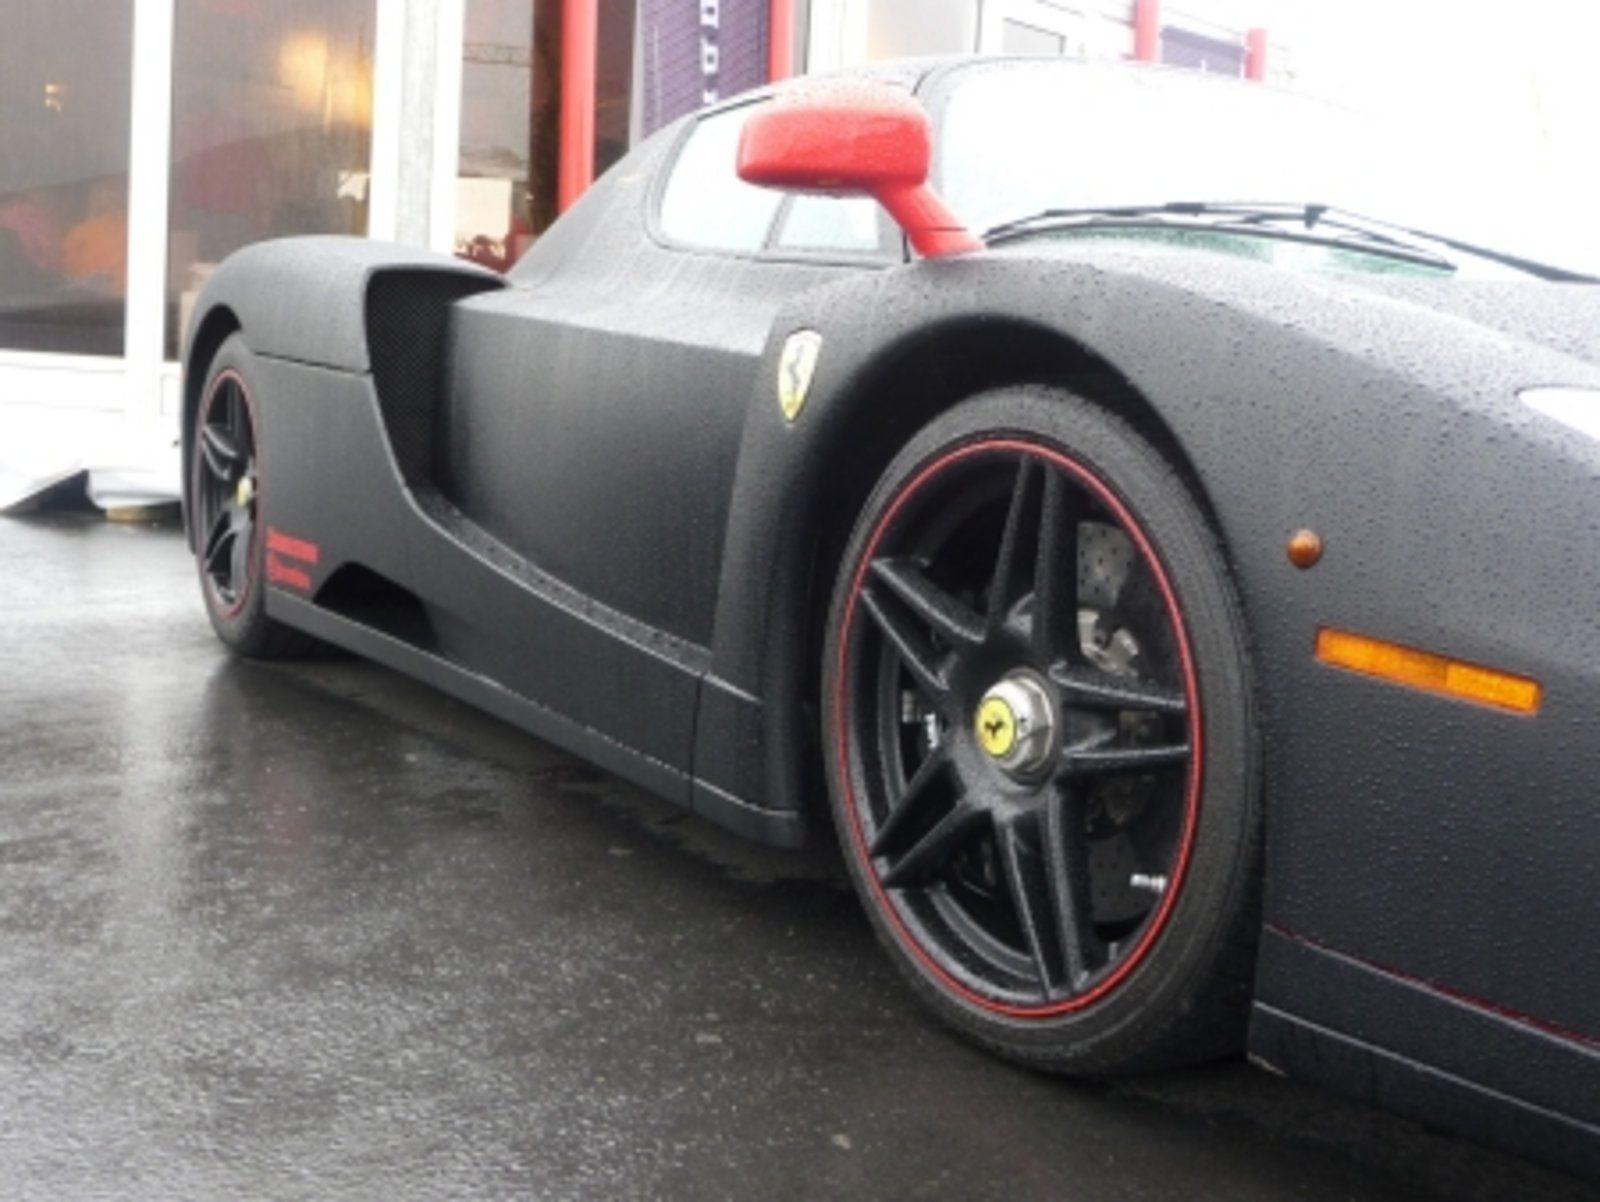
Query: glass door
x: 66, y: 71
x: 506, y: 184
x: 271, y: 131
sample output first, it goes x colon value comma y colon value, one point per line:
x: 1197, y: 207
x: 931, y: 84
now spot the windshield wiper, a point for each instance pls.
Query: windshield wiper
x: 1314, y: 215
x: 1228, y: 218
x: 1346, y: 229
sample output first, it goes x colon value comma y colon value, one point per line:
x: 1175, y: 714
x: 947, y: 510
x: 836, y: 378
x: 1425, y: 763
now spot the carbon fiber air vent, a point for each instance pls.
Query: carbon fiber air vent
x: 406, y: 317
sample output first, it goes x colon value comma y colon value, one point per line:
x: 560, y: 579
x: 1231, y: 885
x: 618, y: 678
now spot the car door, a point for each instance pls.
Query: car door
x: 596, y: 414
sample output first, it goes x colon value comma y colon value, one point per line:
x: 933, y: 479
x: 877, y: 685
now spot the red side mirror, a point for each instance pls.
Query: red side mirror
x: 854, y: 139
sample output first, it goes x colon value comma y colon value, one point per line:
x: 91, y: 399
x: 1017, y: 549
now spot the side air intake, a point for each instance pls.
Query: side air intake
x: 407, y: 312
x: 364, y: 596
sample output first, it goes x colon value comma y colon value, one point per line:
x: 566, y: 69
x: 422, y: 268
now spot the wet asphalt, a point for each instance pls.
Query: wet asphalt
x: 312, y: 930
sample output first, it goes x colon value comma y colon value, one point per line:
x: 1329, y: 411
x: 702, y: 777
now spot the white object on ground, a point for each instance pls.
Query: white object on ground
x: 129, y: 461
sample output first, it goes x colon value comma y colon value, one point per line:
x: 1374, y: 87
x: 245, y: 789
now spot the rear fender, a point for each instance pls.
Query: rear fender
x: 349, y: 304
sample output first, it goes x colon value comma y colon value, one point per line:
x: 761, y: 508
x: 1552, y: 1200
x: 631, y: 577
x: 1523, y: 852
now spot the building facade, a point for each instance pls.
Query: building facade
x: 141, y: 141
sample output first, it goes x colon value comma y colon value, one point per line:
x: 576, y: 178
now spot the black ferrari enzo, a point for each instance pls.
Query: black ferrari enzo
x: 1169, y: 555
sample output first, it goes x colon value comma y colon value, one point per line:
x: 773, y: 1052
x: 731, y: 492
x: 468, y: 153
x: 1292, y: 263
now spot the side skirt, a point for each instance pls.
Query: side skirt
x: 1381, y: 1078
x: 483, y: 693
x: 1385, y: 1040
x: 777, y: 828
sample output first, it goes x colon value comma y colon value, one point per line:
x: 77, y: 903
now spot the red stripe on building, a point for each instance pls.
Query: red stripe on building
x: 1255, y: 55
x: 1147, y: 31
x: 580, y: 43
x: 780, y: 40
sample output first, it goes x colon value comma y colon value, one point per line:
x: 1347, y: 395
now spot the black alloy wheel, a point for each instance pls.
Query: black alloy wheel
x: 226, y: 528
x: 1017, y: 717
x: 225, y: 488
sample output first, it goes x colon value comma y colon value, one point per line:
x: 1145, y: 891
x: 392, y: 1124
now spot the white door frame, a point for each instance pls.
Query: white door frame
x: 149, y: 170
x: 448, y: 30
x: 388, y: 83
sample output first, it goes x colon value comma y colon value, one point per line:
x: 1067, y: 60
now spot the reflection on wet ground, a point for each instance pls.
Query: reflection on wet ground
x: 314, y: 929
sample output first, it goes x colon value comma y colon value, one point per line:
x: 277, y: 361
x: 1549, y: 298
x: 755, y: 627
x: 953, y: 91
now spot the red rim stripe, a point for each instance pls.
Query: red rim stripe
x: 1191, y: 692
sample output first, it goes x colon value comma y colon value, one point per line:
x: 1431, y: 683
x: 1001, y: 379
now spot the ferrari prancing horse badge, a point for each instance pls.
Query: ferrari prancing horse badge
x: 796, y: 366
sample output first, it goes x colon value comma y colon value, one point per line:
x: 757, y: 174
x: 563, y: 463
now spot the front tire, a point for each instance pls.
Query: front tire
x: 225, y: 474
x: 1042, y: 751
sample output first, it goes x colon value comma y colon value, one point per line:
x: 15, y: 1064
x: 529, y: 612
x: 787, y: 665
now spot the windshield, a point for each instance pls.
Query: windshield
x: 1020, y: 138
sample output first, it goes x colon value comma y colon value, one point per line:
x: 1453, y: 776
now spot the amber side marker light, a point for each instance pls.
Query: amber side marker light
x: 1428, y: 672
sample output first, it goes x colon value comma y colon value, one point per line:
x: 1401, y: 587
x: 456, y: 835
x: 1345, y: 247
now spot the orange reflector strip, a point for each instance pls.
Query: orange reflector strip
x: 1428, y: 672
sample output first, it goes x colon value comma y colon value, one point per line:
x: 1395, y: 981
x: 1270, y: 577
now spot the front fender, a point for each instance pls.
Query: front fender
x: 1454, y: 519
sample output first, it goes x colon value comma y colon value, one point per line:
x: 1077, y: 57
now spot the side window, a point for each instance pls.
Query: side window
x: 823, y: 223
x: 706, y: 203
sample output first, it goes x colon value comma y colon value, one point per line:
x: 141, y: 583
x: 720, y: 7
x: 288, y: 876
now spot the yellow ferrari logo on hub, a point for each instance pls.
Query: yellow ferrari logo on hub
x: 796, y: 366
x: 996, y: 727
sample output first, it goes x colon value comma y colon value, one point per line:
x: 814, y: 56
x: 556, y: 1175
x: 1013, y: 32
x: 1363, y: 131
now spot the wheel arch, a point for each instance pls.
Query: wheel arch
x: 974, y: 356
x: 214, y: 328
x: 885, y: 399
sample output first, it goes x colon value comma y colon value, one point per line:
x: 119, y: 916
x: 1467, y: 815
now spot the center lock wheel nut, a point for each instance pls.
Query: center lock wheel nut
x: 1015, y: 724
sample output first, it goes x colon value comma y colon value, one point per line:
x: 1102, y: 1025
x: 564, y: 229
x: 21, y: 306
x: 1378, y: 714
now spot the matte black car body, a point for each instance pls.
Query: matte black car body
x: 569, y: 496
